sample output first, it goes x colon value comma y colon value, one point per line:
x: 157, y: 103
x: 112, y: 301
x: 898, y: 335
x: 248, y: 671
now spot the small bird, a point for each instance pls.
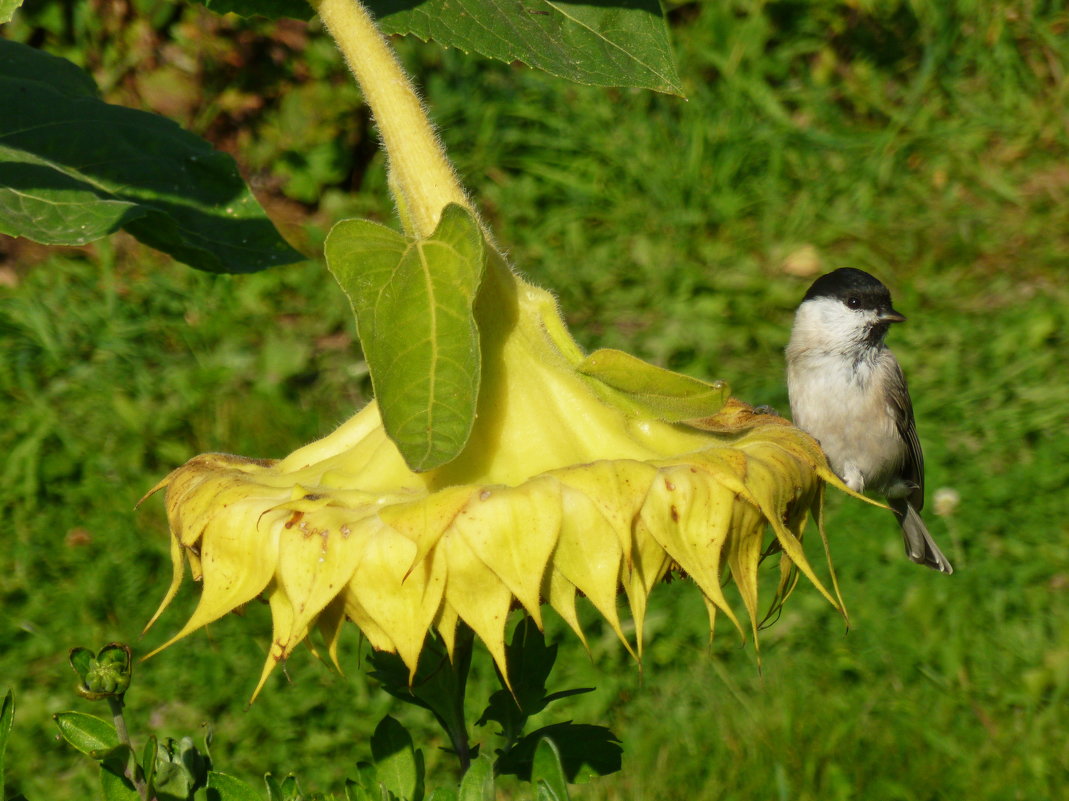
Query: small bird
x: 848, y: 392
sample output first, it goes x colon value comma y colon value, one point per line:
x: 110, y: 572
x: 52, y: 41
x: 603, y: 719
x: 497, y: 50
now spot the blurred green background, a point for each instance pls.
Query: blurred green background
x: 926, y: 142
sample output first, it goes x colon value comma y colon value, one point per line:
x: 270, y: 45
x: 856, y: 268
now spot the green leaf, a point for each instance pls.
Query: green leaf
x: 530, y: 661
x: 274, y: 791
x: 148, y: 760
x: 229, y: 788
x: 413, y: 305
x: 7, y: 719
x: 439, y: 683
x: 442, y: 794
x: 547, y: 772
x: 668, y: 396
x: 478, y: 782
x: 82, y: 660
x: 119, y: 754
x: 395, y: 760
x: 619, y: 43
x: 86, y: 733
x: 545, y: 793
x: 74, y: 169
x: 585, y: 751
x: 180, y: 767
x: 355, y: 792
x: 7, y: 11
x: 115, y: 786
x: 291, y: 790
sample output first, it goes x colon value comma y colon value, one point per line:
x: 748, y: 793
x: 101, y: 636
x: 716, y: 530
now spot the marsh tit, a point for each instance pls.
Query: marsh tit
x: 848, y: 392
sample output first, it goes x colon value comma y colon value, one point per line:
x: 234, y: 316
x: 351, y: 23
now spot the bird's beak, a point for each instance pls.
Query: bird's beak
x: 889, y: 315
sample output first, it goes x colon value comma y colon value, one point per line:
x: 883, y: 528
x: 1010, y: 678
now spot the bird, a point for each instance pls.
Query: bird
x: 848, y: 392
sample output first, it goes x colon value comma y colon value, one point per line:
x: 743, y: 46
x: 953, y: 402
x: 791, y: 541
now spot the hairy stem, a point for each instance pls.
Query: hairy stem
x: 421, y: 176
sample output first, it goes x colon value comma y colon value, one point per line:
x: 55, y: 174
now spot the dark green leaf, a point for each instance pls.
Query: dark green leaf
x: 7, y: 719
x: 478, y: 782
x: 229, y: 788
x: 115, y: 786
x: 672, y: 397
x: 530, y: 661
x: 74, y: 169
x: 551, y: 697
x: 547, y: 770
x: 620, y: 43
x: 86, y: 733
x: 413, y: 304
x: 395, y: 760
x: 438, y: 685
x: 585, y: 751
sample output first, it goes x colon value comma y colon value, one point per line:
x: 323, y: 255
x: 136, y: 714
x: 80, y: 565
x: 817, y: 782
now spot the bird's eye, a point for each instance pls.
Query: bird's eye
x: 854, y: 302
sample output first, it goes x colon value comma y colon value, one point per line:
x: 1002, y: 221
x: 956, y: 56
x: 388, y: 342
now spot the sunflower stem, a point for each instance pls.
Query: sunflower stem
x: 422, y: 179
x: 461, y: 664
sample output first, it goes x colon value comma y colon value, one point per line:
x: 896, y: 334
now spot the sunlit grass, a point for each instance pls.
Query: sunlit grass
x: 928, y: 148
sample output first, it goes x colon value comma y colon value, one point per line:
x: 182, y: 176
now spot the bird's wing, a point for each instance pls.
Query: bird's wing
x: 902, y: 407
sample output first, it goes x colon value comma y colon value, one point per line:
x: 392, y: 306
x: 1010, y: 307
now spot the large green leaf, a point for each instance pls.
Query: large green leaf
x: 74, y: 169
x: 478, y: 781
x: 413, y: 304
x: 547, y: 773
x: 396, y: 764
x: 114, y: 786
x: 87, y: 733
x: 585, y: 751
x: 229, y: 788
x: 614, y: 43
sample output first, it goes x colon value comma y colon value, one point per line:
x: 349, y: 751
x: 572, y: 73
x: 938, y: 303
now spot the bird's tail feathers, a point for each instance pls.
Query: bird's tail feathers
x: 920, y: 547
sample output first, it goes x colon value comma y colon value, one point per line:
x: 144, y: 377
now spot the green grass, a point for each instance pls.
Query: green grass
x: 928, y: 146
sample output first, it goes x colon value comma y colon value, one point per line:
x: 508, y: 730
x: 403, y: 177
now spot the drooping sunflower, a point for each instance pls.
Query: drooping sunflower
x: 528, y: 473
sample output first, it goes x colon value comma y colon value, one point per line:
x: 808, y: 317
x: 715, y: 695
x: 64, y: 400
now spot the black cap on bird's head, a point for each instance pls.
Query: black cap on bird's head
x: 856, y: 289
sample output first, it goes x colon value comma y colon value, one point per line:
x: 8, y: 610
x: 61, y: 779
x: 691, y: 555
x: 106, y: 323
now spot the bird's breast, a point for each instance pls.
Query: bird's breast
x: 843, y: 406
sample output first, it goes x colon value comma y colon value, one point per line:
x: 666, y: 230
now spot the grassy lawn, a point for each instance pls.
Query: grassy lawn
x: 927, y: 143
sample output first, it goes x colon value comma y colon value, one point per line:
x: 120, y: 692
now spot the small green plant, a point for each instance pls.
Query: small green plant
x: 169, y: 769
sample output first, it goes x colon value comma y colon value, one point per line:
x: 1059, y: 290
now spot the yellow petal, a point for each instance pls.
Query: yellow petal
x: 477, y: 595
x: 589, y: 553
x: 693, y: 516
x: 560, y: 594
x: 400, y: 600
x: 318, y: 553
x: 513, y: 531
